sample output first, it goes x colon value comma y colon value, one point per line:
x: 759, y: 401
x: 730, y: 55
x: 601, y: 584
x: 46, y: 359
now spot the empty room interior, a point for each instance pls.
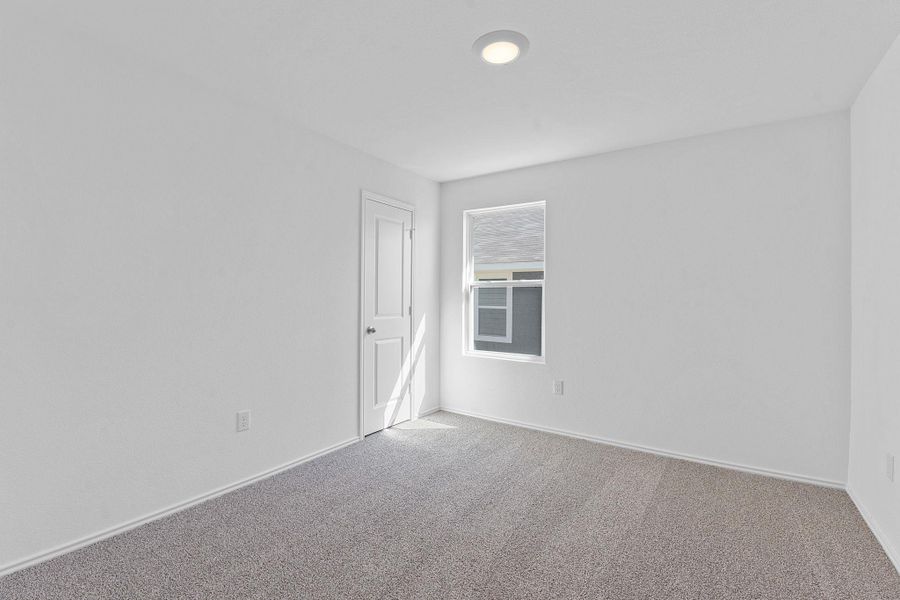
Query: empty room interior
x: 469, y: 299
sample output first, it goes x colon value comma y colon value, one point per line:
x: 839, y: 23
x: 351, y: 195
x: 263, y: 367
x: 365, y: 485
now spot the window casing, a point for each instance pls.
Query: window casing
x: 504, y: 282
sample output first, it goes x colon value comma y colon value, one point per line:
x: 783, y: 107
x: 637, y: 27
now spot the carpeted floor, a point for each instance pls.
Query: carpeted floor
x: 450, y: 507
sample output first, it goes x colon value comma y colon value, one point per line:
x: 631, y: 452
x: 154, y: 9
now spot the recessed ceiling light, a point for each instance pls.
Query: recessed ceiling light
x: 501, y: 47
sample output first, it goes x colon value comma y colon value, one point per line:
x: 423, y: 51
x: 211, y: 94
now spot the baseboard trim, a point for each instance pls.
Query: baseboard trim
x: 893, y: 553
x: 165, y: 512
x: 430, y: 411
x: 658, y: 451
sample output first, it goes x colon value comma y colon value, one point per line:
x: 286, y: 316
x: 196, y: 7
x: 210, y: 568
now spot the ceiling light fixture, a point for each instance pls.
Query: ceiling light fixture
x: 501, y: 47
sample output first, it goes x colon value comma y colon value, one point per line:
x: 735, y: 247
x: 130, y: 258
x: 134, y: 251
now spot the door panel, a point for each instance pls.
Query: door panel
x: 388, y: 363
x: 387, y: 272
x: 389, y: 246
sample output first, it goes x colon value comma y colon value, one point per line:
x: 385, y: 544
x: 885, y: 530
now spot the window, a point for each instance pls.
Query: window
x: 505, y: 282
x: 493, y: 315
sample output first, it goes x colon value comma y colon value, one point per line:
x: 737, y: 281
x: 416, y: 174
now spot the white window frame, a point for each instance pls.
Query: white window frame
x: 501, y: 339
x: 470, y: 284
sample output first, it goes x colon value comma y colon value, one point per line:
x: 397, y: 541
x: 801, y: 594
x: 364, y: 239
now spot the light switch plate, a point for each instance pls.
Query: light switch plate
x: 558, y: 387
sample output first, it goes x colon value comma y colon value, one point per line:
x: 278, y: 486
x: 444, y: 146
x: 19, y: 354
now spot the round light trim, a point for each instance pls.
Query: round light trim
x: 501, y: 47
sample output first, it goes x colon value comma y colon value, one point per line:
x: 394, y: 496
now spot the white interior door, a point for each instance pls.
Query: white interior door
x: 387, y: 308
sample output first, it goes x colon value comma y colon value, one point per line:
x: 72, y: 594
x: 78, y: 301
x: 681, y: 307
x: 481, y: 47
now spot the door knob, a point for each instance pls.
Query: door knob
x: 370, y: 329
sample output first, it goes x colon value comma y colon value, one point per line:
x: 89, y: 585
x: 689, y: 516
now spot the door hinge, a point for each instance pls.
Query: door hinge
x: 410, y: 311
x: 411, y: 229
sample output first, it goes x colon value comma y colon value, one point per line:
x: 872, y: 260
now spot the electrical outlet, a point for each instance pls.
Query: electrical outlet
x: 558, y: 387
x: 889, y: 466
x: 243, y: 420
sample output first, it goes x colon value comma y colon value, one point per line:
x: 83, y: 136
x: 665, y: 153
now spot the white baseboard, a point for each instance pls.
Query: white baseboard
x: 658, y: 451
x: 429, y: 411
x: 34, y: 559
x: 893, y: 553
x: 123, y: 527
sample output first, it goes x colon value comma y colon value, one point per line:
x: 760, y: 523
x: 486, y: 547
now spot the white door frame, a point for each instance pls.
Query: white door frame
x: 366, y: 196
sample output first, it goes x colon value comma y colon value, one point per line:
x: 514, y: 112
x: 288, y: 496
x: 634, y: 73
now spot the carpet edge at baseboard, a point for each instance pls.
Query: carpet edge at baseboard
x: 657, y: 451
x: 892, y: 553
x: 430, y: 411
x: 45, y: 555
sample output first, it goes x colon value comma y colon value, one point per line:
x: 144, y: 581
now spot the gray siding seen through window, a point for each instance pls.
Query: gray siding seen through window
x: 527, y: 312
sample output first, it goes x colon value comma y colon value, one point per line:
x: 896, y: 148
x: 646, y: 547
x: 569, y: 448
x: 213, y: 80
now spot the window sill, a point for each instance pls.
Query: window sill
x: 522, y: 358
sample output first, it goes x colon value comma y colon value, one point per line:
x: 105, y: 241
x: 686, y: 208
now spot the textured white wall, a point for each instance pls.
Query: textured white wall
x: 875, y: 421
x: 697, y: 297
x: 169, y: 256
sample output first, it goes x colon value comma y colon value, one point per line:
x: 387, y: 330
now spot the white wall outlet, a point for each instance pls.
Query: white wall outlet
x: 243, y: 420
x: 558, y: 387
x: 889, y: 466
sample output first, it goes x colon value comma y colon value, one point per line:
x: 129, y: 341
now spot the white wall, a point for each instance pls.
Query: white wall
x: 169, y: 256
x: 697, y: 298
x: 875, y: 422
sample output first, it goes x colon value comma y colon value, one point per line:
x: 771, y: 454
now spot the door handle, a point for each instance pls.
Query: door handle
x: 370, y: 330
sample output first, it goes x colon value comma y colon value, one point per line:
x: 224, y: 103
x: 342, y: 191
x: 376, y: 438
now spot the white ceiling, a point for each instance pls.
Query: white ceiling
x: 397, y: 78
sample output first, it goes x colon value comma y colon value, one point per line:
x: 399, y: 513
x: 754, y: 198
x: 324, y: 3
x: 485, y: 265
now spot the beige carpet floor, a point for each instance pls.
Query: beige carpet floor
x: 456, y: 508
